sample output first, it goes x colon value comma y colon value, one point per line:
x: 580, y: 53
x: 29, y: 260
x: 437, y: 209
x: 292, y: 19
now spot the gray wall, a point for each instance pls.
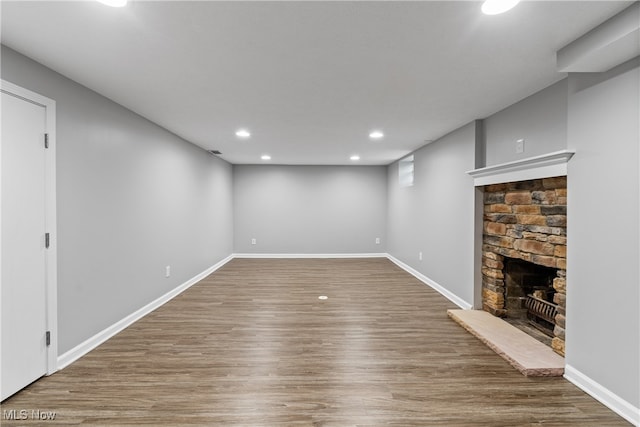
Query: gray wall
x: 310, y: 209
x: 132, y: 199
x: 603, y: 320
x: 436, y: 215
x: 540, y: 119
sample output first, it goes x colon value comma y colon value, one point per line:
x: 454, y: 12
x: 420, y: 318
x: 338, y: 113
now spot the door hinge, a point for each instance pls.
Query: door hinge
x: 46, y: 240
x: 48, y: 338
x: 46, y: 140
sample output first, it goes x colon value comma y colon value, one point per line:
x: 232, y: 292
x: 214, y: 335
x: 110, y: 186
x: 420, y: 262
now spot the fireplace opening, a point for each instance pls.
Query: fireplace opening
x: 529, y: 296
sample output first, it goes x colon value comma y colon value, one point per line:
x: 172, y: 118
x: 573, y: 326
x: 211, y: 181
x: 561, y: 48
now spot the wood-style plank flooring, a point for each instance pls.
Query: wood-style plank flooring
x: 252, y: 345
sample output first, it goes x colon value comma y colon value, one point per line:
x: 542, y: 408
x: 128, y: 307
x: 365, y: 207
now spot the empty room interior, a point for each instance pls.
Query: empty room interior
x: 320, y: 213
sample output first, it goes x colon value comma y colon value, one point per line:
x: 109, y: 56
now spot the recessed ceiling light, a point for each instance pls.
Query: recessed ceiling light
x: 495, y: 7
x: 355, y: 158
x: 376, y: 134
x: 323, y: 297
x: 114, y: 3
x: 266, y: 157
x: 243, y: 133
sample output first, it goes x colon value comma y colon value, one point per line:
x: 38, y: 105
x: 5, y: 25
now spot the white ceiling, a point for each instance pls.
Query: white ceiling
x: 309, y: 79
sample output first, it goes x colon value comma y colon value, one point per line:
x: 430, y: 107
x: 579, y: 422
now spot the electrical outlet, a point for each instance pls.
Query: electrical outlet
x: 377, y: 240
x: 520, y: 146
x: 167, y: 271
x: 253, y: 241
x: 420, y: 256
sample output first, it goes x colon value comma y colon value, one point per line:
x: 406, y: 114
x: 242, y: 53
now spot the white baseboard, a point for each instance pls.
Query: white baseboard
x: 272, y: 255
x: 597, y: 391
x: 443, y: 291
x: 602, y: 394
x: 447, y: 294
x: 85, y: 347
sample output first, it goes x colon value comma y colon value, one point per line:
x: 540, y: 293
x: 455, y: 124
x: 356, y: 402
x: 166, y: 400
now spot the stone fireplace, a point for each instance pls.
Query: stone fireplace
x: 524, y: 253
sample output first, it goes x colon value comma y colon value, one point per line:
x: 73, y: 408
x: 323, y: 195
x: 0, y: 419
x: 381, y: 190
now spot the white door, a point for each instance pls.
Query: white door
x: 23, y: 252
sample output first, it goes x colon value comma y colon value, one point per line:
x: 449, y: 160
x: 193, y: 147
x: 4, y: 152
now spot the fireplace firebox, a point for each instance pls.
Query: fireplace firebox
x: 529, y: 294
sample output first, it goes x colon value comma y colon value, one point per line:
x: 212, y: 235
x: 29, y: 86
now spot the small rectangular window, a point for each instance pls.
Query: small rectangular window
x: 405, y: 171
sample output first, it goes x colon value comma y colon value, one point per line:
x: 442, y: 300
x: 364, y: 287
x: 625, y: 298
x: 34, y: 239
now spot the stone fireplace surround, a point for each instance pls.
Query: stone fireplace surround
x: 525, y: 220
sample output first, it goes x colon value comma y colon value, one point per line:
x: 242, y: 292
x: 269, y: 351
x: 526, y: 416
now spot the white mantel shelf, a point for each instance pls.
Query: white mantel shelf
x: 543, y: 166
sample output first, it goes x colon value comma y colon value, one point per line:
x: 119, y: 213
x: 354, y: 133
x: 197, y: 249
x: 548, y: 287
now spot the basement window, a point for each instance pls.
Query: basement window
x: 405, y: 171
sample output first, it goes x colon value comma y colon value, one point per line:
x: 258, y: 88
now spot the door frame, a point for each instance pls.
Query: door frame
x: 51, y: 255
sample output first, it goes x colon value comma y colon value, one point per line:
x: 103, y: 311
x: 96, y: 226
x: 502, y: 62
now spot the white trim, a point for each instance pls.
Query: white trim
x: 433, y: 284
x: 600, y: 393
x: 52, y: 226
x: 51, y: 255
x: 26, y: 94
x: 605, y: 396
x: 85, y: 347
x: 272, y: 255
x: 543, y: 166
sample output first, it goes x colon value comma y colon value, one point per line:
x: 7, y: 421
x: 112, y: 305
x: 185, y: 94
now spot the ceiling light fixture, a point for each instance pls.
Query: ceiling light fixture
x: 376, y: 134
x: 266, y: 157
x: 114, y: 3
x: 243, y: 133
x: 355, y: 158
x: 495, y: 7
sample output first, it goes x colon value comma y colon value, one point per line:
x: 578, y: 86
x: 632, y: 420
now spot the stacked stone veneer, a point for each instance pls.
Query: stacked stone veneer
x: 525, y: 220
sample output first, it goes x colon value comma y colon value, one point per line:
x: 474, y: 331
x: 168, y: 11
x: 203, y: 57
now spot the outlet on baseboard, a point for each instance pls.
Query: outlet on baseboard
x: 167, y: 271
x: 253, y: 241
x: 377, y: 240
x: 420, y: 256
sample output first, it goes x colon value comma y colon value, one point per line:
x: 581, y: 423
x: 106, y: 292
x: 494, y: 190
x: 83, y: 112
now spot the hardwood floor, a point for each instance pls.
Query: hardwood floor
x: 252, y: 345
